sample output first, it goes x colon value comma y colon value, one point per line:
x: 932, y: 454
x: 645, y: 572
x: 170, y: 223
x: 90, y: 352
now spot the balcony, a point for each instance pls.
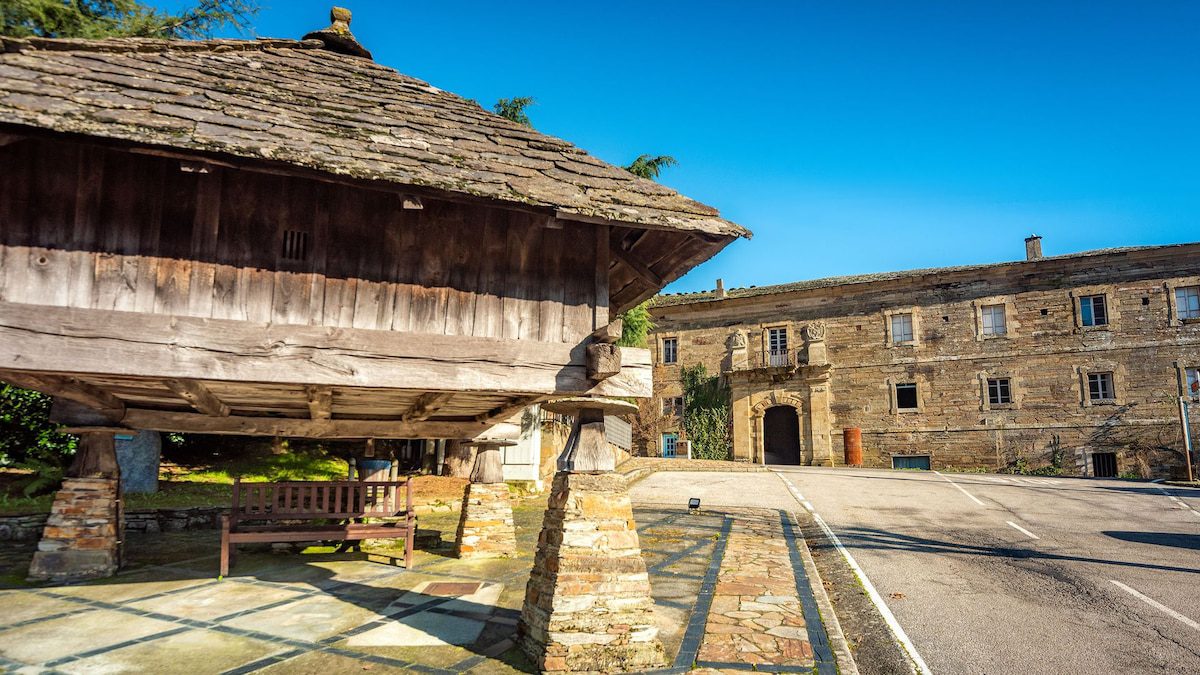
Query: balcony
x: 772, y: 359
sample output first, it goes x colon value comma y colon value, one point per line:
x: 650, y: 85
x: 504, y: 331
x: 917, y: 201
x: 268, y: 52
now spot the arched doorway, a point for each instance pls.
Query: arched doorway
x: 781, y: 435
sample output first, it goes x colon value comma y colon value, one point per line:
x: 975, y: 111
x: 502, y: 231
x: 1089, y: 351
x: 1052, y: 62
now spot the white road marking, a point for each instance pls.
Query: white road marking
x: 873, y: 594
x: 1182, y: 504
x: 1157, y: 605
x: 960, y: 489
x: 1022, y: 530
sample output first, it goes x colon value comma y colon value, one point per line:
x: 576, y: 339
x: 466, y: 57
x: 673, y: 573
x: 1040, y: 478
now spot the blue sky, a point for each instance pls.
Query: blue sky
x: 849, y: 136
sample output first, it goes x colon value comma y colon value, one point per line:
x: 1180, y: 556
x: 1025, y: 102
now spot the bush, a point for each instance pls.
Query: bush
x: 707, y: 413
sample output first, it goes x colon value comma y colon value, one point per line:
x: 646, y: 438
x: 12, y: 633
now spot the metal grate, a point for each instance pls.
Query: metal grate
x: 295, y: 245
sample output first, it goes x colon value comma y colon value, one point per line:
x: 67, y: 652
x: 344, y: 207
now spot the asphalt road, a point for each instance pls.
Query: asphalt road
x: 1008, y: 574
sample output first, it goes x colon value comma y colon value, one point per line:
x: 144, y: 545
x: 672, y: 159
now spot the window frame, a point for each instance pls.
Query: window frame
x: 1107, y: 379
x: 914, y: 325
x: 999, y: 391
x: 1177, y: 312
x: 1117, y: 371
x: 916, y: 391
x: 1091, y: 298
x: 1189, y: 376
x: 674, y: 351
x: 672, y: 406
x: 987, y: 312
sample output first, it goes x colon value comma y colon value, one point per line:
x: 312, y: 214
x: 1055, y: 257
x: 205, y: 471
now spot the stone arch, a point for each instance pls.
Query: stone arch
x: 776, y: 398
x: 768, y: 435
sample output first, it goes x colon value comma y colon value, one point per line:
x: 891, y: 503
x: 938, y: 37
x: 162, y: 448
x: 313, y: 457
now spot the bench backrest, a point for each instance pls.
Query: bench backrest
x: 307, y: 500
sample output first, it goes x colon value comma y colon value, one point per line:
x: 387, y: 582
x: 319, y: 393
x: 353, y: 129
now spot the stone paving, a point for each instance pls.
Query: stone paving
x: 342, y: 613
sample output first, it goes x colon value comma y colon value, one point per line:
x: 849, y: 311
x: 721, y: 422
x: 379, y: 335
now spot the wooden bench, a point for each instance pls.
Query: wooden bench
x: 267, y: 512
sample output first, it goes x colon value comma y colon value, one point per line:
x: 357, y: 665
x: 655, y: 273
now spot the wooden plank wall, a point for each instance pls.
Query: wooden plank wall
x: 83, y: 226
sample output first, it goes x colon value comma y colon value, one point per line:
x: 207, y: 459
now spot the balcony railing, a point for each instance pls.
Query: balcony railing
x: 774, y: 358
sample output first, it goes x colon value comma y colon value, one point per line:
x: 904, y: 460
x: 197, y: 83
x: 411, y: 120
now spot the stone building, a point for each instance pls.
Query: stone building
x: 1076, y: 361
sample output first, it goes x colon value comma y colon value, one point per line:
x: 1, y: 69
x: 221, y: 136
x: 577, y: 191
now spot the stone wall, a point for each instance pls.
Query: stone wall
x: 82, y: 537
x: 1046, y: 354
x: 29, y: 527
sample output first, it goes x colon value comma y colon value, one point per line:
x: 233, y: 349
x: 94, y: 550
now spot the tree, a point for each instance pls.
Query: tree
x: 649, y: 166
x: 120, y: 18
x: 514, y: 109
x: 637, y: 326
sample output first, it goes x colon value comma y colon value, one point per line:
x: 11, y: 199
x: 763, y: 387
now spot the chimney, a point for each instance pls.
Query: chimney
x: 337, y: 36
x: 720, y: 288
x: 1033, y: 247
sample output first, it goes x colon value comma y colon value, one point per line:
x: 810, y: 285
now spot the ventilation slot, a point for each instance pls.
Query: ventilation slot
x: 295, y: 245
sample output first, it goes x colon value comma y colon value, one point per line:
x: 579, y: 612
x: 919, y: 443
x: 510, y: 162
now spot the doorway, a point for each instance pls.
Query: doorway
x: 781, y: 435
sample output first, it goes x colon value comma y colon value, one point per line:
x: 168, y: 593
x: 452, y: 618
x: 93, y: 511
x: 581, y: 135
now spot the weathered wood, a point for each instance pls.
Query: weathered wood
x: 459, y: 459
x: 587, y: 448
x: 503, y: 412
x: 609, y: 332
x: 604, y: 360
x: 119, y: 343
x: 198, y: 396
x: 426, y: 406
x: 72, y: 389
x: 641, y: 269
x: 320, y: 402
x: 95, y: 457
x: 489, y: 466
x: 157, y: 420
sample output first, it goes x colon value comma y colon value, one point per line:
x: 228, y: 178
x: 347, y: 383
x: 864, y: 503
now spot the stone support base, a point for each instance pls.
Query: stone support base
x: 587, y: 605
x: 82, y: 538
x: 485, y: 525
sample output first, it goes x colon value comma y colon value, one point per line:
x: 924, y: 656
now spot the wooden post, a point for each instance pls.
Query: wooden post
x: 489, y: 467
x: 587, y: 448
x: 95, y: 457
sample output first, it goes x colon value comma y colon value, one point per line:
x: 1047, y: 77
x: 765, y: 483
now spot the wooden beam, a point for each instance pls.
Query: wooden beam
x: 72, y: 389
x: 426, y: 405
x: 156, y: 420
x: 639, y: 268
x: 320, y: 402
x: 503, y: 412
x: 198, y: 396
x: 609, y: 332
x: 69, y: 341
x: 604, y: 360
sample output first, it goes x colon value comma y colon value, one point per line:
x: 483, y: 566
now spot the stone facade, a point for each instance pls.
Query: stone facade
x: 588, y: 605
x: 82, y: 537
x: 485, y: 523
x: 846, y: 352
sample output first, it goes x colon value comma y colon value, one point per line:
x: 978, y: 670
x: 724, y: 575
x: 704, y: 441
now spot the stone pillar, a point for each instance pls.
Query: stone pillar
x: 587, y: 604
x: 820, y: 420
x: 485, y: 524
x: 83, y: 535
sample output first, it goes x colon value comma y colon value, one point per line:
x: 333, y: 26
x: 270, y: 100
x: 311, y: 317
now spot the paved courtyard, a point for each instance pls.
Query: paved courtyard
x: 723, y: 583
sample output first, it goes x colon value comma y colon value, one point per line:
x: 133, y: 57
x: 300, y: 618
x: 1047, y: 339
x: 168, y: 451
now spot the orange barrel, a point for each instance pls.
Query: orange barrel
x: 852, y: 439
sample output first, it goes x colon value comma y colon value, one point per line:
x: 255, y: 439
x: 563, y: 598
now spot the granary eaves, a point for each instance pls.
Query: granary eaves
x: 313, y: 104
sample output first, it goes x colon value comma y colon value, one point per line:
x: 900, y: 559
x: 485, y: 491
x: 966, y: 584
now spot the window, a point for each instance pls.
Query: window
x: 670, y: 350
x: 1193, y: 383
x: 902, y: 328
x: 1100, y: 387
x: 1187, y: 302
x: 999, y: 391
x: 993, y: 320
x: 669, y: 443
x: 906, y: 396
x: 777, y: 343
x: 295, y: 245
x: 673, y: 406
x: 1093, y: 311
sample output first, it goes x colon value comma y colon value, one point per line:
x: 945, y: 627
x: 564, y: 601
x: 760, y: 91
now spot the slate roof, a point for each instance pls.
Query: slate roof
x: 673, y: 299
x: 296, y: 102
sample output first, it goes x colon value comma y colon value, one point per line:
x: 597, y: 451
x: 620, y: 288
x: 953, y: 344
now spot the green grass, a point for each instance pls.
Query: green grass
x: 268, y: 468
x: 207, y: 485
